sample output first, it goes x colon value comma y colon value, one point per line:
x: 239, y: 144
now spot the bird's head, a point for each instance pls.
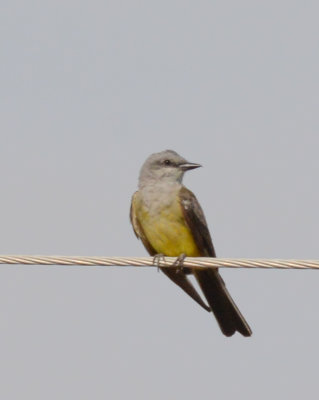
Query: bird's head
x: 164, y: 166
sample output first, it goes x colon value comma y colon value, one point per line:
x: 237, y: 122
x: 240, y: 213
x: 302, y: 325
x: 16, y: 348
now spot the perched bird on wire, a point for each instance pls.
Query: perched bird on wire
x: 168, y: 219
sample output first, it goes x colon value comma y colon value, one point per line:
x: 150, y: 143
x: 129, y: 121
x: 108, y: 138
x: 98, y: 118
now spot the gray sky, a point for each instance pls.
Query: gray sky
x: 88, y: 91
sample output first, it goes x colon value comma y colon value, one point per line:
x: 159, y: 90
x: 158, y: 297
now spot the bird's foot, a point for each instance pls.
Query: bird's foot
x: 157, y: 260
x: 179, y: 263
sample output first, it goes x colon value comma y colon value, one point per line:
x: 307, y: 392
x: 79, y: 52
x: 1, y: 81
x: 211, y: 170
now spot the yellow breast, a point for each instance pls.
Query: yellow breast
x: 166, y: 230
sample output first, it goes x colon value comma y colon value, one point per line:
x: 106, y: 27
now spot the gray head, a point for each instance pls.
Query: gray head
x: 165, y: 166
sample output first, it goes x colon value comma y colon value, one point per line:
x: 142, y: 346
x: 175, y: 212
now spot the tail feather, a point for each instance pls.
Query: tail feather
x: 178, y: 277
x: 223, y: 306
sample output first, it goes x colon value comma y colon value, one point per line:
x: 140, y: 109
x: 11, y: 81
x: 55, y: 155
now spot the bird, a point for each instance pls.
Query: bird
x: 169, y: 220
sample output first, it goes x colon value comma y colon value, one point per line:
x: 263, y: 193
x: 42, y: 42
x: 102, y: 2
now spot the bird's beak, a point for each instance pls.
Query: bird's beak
x: 188, y: 166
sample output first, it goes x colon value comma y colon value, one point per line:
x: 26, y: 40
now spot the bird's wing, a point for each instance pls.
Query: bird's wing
x: 223, y: 306
x: 175, y: 274
x: 138, y: 230
x: 196, y: 221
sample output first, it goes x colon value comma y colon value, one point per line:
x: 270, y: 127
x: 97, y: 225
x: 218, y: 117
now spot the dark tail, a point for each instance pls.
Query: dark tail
x: 178, y: 277
x: 225, y: 310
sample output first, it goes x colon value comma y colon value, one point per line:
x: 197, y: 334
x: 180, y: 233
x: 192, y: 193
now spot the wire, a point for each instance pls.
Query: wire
x: 159, y: 261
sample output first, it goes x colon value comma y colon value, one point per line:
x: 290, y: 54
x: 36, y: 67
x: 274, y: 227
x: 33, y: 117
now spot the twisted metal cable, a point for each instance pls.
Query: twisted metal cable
x: 191, y: 262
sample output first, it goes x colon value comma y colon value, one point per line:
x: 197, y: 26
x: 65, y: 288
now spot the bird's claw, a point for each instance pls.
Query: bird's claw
x: 179, y: 263
x: 157, y: 259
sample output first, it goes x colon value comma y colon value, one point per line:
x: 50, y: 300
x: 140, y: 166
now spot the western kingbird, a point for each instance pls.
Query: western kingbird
x: 168, y: 219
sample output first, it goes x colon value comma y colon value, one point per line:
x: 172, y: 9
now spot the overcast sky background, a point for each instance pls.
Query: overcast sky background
x: 88, y: 91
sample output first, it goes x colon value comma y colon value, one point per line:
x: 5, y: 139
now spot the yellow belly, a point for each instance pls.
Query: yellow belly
x: 167, y: 231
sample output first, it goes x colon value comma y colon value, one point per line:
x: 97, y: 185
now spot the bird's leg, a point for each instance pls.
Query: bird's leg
x: 179, y: 263
x: 157, y: 260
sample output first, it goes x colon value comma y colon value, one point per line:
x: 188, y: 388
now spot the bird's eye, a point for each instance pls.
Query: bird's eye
x: 167, y: 162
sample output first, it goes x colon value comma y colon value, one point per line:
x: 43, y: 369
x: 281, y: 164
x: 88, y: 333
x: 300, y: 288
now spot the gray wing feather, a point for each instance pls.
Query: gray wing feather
x: 223, y: 306
x: 195, y: 219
